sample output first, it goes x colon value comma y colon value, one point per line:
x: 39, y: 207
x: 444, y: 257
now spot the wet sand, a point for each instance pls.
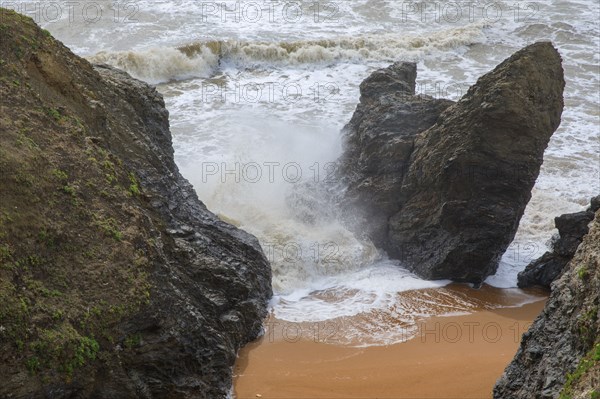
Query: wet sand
x: 450, y: 357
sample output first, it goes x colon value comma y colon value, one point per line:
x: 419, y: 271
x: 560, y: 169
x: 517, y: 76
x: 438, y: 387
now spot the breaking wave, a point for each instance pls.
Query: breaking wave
x: 201, y: 59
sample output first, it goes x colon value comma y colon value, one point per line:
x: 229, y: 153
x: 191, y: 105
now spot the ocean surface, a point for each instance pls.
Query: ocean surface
x: 258, y: 91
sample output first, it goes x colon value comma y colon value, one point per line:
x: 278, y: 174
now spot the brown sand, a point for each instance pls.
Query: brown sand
x: 451, y: 357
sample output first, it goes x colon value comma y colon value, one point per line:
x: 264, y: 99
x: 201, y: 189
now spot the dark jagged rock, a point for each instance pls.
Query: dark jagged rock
x: 115, y: 280
x: 565, y: 337
x: 217, y: 282
x: 378, y: 142
x: 572, y: 227
x: 471, y: 174
x: 448, y: 203
x: 543, y: 271
x: 594, y: 204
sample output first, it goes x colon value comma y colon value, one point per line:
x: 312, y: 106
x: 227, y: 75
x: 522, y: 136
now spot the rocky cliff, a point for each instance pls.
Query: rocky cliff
x: 448, y: 184
x: 115, y: 280
x: 559, y: 357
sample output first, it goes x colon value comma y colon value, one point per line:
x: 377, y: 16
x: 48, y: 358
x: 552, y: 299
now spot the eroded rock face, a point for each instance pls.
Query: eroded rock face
x: 138, y: 291
x: 572, y: 227
x: 453, y: 198
x: 378, y: 143
x: 565, y: 336
x: 213, y: 289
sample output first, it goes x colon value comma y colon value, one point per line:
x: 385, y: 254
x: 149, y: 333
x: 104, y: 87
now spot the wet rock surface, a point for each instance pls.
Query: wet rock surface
x: 444, y: 184
x: 378, y: 143
x: 572, y: 227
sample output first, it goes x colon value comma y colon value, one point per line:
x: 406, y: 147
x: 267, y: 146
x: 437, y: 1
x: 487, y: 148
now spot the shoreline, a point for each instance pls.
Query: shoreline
x: 451, y: 356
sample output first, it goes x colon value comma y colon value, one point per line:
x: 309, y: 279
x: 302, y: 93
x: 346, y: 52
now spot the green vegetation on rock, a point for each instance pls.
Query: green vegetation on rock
x: 102, y: 287
x: 589, y: 362
x: 69, y: 274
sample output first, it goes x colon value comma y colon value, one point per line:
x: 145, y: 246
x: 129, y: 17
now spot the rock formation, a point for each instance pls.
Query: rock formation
x: 448, y: 198
x: 560, y: 354
x: 115, y: 280
x: 379, y: 140
x: 571, y: 229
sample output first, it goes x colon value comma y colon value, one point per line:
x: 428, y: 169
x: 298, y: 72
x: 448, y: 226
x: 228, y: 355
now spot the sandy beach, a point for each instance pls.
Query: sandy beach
x: 458, y: 356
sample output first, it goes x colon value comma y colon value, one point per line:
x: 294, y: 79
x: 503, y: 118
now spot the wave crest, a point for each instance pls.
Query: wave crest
x: 201, y: 59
